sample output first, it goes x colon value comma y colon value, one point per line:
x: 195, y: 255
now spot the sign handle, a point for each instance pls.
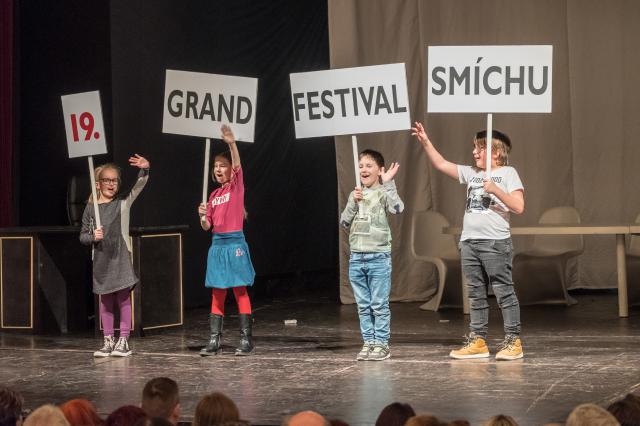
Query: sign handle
x: 489, y: 143
x: 356, y: 167
x: 205, y: 179
x: 94, y: 193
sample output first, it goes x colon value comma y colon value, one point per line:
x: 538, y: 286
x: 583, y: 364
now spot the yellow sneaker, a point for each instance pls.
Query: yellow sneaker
x: 474, y: 347
x: 511, y: 349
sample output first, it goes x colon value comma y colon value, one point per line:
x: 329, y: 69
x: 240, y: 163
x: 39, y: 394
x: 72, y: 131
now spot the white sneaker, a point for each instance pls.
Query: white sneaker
x: 380, y: 352
x: 121, y: 348
x: 363, y: 355
x: 106, y: 349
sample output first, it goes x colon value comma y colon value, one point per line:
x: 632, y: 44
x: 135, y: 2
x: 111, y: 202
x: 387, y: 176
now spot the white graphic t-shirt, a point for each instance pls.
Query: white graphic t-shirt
x: 485, y: 216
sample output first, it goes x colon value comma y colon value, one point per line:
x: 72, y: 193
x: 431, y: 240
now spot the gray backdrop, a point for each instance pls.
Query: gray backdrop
x: 583, y: 154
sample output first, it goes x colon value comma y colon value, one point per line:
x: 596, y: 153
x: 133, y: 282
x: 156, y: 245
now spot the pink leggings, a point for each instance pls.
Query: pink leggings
x: 107, y: 308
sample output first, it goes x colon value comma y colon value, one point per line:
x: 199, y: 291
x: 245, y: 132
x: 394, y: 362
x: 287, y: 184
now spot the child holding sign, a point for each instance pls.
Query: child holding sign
x: 228, y: 263
x: 113, y: 276
x: 370, y: 242
x: 485, y: 243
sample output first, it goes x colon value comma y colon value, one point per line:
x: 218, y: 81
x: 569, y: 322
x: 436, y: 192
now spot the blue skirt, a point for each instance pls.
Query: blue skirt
x: 229, y: 263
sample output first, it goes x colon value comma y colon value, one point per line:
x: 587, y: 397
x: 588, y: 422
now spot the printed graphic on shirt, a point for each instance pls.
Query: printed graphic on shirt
x: 361, y: 224
x: 221, y: 199
x: 477, y: 200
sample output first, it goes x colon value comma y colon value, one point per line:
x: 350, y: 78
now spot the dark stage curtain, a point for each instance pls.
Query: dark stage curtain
x: 290, y: 184
x: 7, y: 217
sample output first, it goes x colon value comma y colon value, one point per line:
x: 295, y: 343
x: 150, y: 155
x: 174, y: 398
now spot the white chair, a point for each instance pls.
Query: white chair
x: 429, y: 244
x: 540, y: 273
x: 633, y: 268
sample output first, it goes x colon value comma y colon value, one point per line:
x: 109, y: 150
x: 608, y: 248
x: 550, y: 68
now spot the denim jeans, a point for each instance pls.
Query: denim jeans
x: 484, y: 263
x: 370, y: 276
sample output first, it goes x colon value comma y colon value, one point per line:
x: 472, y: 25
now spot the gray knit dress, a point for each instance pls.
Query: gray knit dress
x: 112, y: 263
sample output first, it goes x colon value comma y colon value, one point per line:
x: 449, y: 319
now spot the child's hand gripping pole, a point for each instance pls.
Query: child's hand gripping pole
x: 356, y: 166
x: 205, y: 178
x: 489, y: 144
x: 94, y: 193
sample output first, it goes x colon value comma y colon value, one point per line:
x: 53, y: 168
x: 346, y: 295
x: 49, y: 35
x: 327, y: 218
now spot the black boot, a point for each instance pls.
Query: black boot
x: 246, y: 342
x: 213, y: 347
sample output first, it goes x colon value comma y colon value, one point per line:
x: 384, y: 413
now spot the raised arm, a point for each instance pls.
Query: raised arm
x: 437, y: 160
x: 229, y: 139
x: 143, y: 176
x: 394, y: 203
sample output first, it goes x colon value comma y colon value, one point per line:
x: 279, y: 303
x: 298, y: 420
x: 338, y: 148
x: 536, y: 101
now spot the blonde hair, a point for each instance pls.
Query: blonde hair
x: 98, y: 172
x: 422, y: 420
x: 501, y: 420
x: 498, y: 147
x: 592, y: 415
x: 47, y: 415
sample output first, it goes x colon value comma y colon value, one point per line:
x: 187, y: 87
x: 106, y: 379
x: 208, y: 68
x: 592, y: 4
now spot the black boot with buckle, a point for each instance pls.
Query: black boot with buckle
x: 215, y: 341
x: 246, y: 341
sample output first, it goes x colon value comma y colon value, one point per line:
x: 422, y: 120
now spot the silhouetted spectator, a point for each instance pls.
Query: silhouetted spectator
x: 591, y: 415
x: 153, y: 421
x: 10, y: 407
x: 305, y: 418
x: 215, y: 409
x: 127, y: 415
x: 47, y: 415
x: 423, y: 420
x: 395, y: 414
x: 626, y: 410
x: 80, y: 412
x: 160, y: 398
x: 501, y: 420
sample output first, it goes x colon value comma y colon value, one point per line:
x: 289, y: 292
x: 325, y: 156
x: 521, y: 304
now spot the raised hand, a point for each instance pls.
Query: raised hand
x: 139, y: 161
x: 227, y: 134
x: 419, y: 132
x: 388, y: 175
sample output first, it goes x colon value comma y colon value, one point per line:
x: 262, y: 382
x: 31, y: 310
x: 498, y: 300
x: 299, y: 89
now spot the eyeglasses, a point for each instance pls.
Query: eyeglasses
x: 109, y: 181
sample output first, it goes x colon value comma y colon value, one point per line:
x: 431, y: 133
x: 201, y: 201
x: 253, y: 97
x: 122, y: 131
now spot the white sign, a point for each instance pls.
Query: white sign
x: 197, y: 104
x: 349, y: 101
x: 489, y: 78
x: 83, y: 123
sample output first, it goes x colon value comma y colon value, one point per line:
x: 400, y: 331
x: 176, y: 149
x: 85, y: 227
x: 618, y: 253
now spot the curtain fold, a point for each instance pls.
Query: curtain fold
x: 7, y: 120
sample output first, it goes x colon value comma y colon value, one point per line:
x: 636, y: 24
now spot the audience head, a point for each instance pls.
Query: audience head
x: 160, y: 398
x: 626, y: 410
x: 215, y: 408
x: 395, y: 414
x: 47, y: 415
x: 125, y: 416
x: 423, y: 420
x: 153, y: 421
x: 591, y: 415
x: 306, y: 418
x: 80, y: 412
x: 10, y: 407
x: 501, y: 420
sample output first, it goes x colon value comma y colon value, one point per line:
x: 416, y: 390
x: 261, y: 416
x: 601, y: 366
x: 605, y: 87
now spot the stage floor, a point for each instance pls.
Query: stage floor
x: 582, y: 353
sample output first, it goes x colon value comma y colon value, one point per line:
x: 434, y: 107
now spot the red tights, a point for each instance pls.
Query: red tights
x: 220, y: 294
